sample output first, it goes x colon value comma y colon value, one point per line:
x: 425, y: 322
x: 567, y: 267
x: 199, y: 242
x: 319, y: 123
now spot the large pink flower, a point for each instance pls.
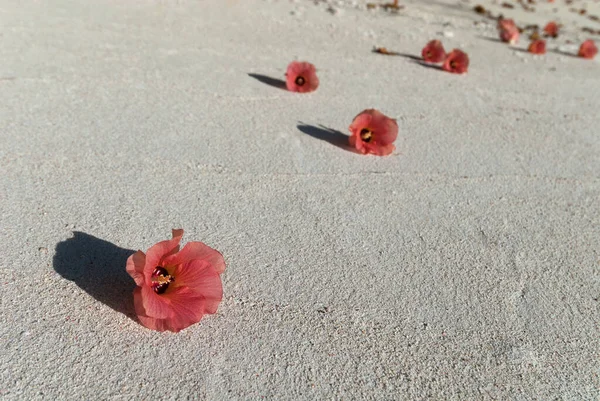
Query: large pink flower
x: 373, y: 132
x: 176, y: 287
x: 301, y: 77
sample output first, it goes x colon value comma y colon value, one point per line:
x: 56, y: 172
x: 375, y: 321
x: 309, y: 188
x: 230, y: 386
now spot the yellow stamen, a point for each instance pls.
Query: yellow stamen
x: 366, y: 135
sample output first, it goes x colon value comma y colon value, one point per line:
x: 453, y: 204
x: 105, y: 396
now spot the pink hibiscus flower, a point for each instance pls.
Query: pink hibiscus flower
x: 373, y: 132
x: 176, y: 288
x: 457, y: 62
x: 301, y: 76
x: 588, y: 49
x: 537, y: 46
x: 433, y: 52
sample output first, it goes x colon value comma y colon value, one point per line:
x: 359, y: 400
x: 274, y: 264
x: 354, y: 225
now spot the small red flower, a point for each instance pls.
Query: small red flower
x: 176, y: 288
x: 373, y: 132
x: 551, y: 29
x: 433, y: 52
x: 301, y: 77
x: 457, y: 62
x: 509, y: 32
x: 588, y: 49
x: 537, y: 47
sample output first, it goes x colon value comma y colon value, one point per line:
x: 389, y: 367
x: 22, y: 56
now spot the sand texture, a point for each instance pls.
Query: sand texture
x: 465, y: 266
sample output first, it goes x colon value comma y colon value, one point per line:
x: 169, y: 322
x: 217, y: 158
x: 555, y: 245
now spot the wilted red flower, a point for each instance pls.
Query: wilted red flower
x: 433, y: 52
x: 551, y: 29
x: 301, y: 76
x: 509, y: 32
x: 537, y: 47
x: 588, y: 49
x: 373, y: 132
x: 457, y: 62
x: 176, y: 288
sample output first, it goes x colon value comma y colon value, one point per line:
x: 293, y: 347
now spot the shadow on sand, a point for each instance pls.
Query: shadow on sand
x: 428, y: 65
x: 277, y: 83
x: 556, y: 51
x: 497, y: 40
x: 332, y: 136
x: 415, y: 59
x: 397, y: 54
x: 97, y: 267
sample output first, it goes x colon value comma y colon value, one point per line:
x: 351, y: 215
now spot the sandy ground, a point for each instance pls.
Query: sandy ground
x: 464, y: 266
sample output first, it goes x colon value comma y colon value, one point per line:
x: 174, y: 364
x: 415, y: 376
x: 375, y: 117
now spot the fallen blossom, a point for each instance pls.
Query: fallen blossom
x: 301, y: 76
x: 373, y: 132
x: 433, y: 52
x: 176, y: 288
x: 537, y: 47
x: 456, y: 62
x: 551, y: 29
x: 588, y: 49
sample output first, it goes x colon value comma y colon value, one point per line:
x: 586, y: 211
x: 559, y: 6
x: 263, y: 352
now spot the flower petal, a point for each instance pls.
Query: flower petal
x: 150, y: 322
x: 156, y: 253
x: 203, y: 280
x: 386, y: 128
x: 386, y: 149
x: 197, y: 250
x: 187, y: 309
x: 135, y: 267
x: 157, y: 306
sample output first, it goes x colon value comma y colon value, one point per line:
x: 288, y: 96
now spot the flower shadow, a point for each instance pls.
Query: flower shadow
x: 397, y: 54
x: 428, y: 65
x: 332, y: 136
x: 277, y: 83
x: 98, y: 268
x: 563, y: 53
x: 409, y: 56
x: 489, y: 39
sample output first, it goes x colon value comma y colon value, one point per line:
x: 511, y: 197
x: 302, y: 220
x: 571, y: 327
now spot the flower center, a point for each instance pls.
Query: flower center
x: 453, y: 64
x: 161, y: 279
x: 366, y: 135
x: 300, y: 81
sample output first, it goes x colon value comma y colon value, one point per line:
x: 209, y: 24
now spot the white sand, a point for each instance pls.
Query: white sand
x: 465, y: 266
